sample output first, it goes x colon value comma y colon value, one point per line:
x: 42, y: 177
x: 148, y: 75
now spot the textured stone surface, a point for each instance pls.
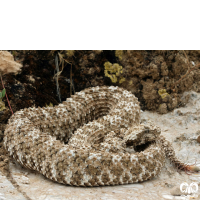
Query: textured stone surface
x: 7, y: 63
x: 8, y: 191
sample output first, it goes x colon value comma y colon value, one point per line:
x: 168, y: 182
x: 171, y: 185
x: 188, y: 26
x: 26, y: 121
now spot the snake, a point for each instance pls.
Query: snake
x: 94, y: 138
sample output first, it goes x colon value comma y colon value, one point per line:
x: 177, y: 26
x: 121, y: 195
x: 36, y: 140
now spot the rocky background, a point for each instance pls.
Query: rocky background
x: 157, y: 78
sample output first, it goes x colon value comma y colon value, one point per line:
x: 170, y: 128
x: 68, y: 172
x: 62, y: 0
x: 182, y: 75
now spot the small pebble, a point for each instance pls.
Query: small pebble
x: 198, y: 139
x: 176, y: 191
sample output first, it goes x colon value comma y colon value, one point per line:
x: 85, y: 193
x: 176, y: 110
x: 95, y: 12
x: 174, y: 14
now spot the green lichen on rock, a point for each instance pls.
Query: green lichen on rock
x: 122, y: 80
x: 70, y: 53
x: 2, y: 105
x: 119, y: 54
x: 50, y: 105
x: 112, y: 71
x: 163, y: 93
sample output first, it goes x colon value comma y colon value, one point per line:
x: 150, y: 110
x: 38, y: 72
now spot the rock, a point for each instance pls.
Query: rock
x: 198, y: 139
x: 162, y: 108
x: 175, y: 191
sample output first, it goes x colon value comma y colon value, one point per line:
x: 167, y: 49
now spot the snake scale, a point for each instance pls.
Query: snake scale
x: 94, y: 138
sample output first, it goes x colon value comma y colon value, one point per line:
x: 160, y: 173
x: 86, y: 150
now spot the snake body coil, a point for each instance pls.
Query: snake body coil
x: 94, y: 138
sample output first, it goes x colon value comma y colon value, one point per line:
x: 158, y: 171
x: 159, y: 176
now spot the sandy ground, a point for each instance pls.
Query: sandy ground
x: 181, y: 127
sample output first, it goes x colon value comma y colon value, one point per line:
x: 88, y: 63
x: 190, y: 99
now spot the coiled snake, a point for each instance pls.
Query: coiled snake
x: 94, y: 138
